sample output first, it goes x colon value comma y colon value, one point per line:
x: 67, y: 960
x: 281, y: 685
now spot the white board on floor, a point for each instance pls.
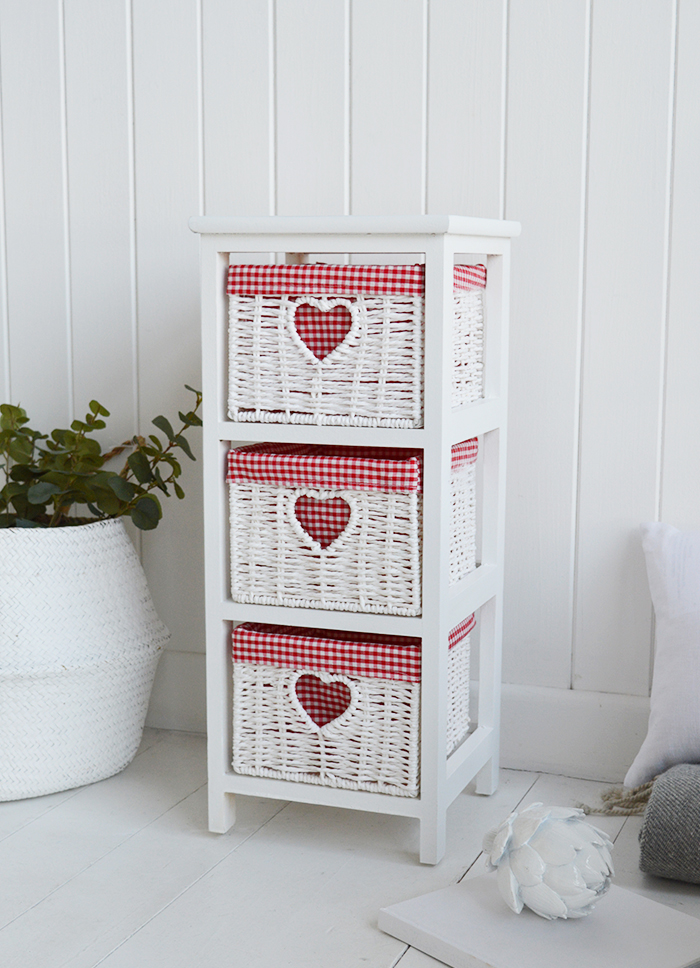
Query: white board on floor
x: 469, y: 926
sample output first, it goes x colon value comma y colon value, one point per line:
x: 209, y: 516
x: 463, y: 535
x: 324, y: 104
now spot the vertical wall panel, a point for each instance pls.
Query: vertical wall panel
x: 35, y: 208
x: 465, y: 90
x: 99, y: 188
x: 332, y: 105
x: 548, y: 63
x: 623, y: 339
x: 166, y: 95
x: 680, y: 494
x: 387, y: 113
x: 311, y: 76
x: 5, y: 384
x: 238, y: 107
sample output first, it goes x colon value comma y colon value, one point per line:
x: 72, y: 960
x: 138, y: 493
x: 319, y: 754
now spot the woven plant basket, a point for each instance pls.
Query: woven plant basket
x: 79, y: 643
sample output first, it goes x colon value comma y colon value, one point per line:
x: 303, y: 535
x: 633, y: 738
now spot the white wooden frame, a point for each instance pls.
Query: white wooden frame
x: 443, y: 240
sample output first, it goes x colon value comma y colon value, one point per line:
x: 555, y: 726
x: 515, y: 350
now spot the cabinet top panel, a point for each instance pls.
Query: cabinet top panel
x: 354, y: 225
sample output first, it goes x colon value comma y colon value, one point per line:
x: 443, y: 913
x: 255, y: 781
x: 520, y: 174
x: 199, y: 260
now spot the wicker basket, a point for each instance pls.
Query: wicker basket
x: 79, y: 645
x: 337, y: 708
x: 338, y: 527
x: 343, y: 345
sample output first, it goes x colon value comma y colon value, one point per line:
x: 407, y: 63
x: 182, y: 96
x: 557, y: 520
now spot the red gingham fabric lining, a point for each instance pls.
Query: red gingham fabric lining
x: 464, y: 453
x: 461, y: 631
x: 323, y: 520
x: 323, y: 701
x: 353, y: 468
x: 470, y: 277
x: 322, y: 331
x: 345, y: 653
x: 315, y: 465
x: 252, y: 280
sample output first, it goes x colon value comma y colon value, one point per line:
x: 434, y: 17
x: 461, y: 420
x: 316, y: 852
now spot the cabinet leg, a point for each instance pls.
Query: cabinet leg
x: 222, y: 811
x: 432, y: 838
x: 487, y: 778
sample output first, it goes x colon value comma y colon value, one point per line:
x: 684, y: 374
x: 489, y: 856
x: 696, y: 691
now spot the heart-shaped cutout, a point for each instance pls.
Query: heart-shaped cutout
x: 324, y: 521
x: 322, y: 701
x: 321, y: 330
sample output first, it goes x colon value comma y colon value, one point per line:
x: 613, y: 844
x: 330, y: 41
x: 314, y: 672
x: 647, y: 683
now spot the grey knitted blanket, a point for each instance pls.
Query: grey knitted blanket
x: 670, y: 834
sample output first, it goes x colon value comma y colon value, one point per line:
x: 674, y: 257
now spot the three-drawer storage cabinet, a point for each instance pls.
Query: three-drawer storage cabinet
x: 354, y: 376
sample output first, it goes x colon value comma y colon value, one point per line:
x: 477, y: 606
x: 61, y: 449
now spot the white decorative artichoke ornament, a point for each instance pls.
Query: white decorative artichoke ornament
x: 550, y: 860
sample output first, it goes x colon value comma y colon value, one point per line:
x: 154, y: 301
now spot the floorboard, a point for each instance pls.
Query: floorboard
x: 124, y: 874
x: 82, y: 829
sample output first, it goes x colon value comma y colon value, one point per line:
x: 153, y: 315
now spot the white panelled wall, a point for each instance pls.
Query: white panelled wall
x: 122, y: 118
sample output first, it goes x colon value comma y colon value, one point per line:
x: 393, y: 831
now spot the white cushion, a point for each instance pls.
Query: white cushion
x: 673, y: 567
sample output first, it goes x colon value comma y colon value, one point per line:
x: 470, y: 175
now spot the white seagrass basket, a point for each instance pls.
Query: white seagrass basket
x: 79, y: 644
x: 338, y: 709
x: 343, y: 344
x: 339, y: 527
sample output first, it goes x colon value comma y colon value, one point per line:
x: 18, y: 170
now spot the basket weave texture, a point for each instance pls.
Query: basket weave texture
x: 79, y: 643
x: 343, y: 345
x: 338, y: 709
x: 338, y: 527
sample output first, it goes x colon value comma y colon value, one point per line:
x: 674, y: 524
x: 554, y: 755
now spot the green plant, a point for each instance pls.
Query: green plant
x: 45, y: 476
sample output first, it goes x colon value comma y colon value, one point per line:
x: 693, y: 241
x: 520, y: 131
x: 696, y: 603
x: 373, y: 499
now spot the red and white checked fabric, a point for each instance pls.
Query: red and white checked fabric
x: 323, y: 701
x: 322, y: 330
x: 353, y: 468
x: 345, y: 653
x: 461, y: 631
x: 323, y: 520
x: 465, y: 453
x: 320, y: 278
x: 469, y: 277
x: 315, y: 465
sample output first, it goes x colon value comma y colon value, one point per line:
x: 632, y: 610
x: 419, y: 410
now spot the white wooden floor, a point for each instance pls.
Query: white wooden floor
x: 124, y: 874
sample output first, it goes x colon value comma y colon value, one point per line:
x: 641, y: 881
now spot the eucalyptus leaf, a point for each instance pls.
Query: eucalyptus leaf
x: 162, y: 424
x: 124, y: 490
x: 146, y: 514
x: 190, y: 419
x: 183, y: 445
x: 20, y: 472
x: 12, y: 417
x: 20, y: 450
x: 93, y: 510
x: 12, y: 490
x: 108, y: 503
x: 42, y: 492
x: 140, y: 467
x: 159, y: 481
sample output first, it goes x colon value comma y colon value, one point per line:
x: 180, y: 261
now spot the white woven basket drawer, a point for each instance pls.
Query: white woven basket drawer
x: 338, y: 527
x: 343, y: 345
x: 338, y: 709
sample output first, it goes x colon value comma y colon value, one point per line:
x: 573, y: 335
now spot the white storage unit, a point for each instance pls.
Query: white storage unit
x: 448, y: 595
